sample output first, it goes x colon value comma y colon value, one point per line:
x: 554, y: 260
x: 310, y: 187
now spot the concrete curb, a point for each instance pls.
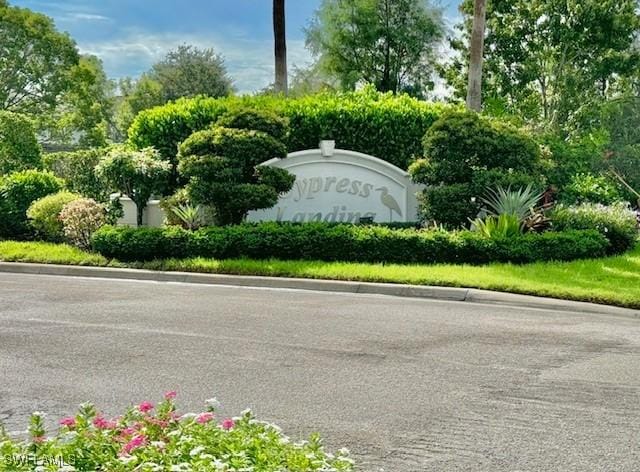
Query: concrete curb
x: 396, y: 290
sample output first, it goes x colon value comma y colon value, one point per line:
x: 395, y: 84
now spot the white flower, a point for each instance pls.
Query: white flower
x: 213, y: 403
x: 162, y: 444
x: 68, y: 437
x: 344, y: 451
x: 182, y: 467
x: 196, y: 450
x: 67, y: 468
x: 128, y: 459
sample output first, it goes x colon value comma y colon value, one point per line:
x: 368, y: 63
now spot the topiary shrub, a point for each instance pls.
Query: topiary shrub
x: 17, y: 192
x: 19, y: 148
x: 44, y: 215
x: 259, y: 120
x: 465, y: 155
x: 340, y: 242
x: 618, y: 223
x: 223, y: 166
x: 77, y: 169
x: 81, y: 219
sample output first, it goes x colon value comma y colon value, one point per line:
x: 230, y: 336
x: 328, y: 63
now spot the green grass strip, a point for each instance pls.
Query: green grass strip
x: 613, y: 280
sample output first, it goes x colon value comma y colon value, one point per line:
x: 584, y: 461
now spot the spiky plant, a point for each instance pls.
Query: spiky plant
x: 520, y: 202
x: 190, y: 216
x: 498, y: 226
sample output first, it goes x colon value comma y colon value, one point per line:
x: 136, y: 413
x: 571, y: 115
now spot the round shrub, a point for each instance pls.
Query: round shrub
x: 259, y: 120
x: 44, y: 215
x: 17, y: 192
x: 460, y: 143
x: 617, y: 223
x: 470, y: 154
x: 80, y: 219
x: 19, y: 148
x: 450, y: 205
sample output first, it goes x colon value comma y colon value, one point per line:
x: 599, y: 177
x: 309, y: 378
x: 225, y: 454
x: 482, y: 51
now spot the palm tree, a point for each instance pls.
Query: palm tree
x: 474, y: 91
x: 280, y: 34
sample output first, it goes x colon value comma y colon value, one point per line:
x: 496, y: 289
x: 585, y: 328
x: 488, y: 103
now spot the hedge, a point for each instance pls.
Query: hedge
x: 318, y: 241
x: 384, y: 125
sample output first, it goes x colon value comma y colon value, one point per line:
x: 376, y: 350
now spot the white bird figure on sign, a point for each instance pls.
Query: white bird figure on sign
x: 391, y: 203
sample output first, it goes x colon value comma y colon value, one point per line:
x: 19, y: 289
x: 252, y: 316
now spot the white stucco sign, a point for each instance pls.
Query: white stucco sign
x: 342, y: 186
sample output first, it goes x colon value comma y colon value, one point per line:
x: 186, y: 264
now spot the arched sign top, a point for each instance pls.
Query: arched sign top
x: 337, y: 185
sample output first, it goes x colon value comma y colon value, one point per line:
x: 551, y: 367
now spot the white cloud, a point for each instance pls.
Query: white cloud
x: 249, y: 61
x: 79, y: 16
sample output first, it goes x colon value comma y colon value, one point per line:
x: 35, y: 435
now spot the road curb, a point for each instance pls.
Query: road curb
x: 396, y: 290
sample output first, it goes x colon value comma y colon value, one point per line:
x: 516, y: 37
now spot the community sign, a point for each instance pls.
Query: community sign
x: 338, y: 186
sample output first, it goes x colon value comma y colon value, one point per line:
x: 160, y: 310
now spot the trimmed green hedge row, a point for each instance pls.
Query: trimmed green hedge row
x: 384, y: 125
x: 317, y: 241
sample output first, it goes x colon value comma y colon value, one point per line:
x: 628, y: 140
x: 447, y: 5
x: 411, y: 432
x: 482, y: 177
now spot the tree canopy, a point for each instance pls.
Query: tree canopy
x: 548, y: 60
x: 35, y: 61
x: 188, y: 71
x: 388, y: 43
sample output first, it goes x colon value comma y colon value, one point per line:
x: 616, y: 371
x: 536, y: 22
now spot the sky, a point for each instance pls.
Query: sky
x: 130, y: 35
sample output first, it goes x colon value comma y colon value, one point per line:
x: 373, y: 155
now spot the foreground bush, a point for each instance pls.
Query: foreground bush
x: 617, y: 223
x: 44, y: 215
x: 80, y: 219
x: 157, y: 438
x: 17, y: 192
x: 318, y: 241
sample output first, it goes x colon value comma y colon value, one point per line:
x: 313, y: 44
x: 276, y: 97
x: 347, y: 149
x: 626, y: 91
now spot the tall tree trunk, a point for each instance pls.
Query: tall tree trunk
x: 280, y: 34
x: 139, y: 214
x: 474, y: 91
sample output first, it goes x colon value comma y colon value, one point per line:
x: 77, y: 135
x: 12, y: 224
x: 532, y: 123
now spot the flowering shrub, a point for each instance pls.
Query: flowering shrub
x: 44, y: 215
x: 618, y: 223
x: 156, y: 438
x: 80, y: 219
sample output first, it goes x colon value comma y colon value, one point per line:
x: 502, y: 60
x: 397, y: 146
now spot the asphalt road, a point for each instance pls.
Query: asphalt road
x: 407, y: 385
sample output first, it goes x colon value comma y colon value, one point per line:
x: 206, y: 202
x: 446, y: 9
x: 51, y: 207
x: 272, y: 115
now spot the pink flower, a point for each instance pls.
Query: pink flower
x: 135, y: 442
x: 38, y: 439
x: 128, y: 431
x: 101, y: 423
x: 170, y: 395
x: 203, y: 418
x: 228, y: 424
x: 145, y: 407
x: 69, y: 422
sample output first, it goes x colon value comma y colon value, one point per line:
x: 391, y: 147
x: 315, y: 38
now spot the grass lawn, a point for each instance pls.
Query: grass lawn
x: 614, y: 280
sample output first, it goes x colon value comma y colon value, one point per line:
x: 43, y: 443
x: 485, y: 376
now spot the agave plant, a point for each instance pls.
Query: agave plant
x: 520, y: 202
x: 498, y: 226
x: 190, y: 216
